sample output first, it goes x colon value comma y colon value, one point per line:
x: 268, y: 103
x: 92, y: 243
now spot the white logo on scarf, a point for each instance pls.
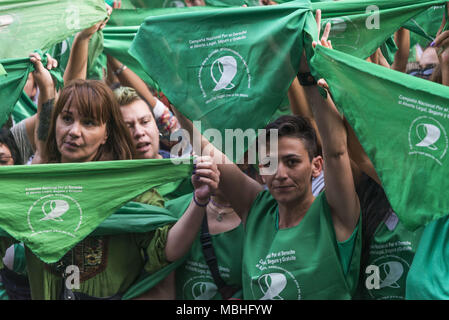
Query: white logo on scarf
x: 54, y: 209
x: 428, y: 137
x: 5, y: 21
x: 46, y: 215
x: 223, y: 74
x: 227, y: 67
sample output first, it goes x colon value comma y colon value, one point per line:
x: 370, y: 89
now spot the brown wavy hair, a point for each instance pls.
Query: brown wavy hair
x: 93, y: 99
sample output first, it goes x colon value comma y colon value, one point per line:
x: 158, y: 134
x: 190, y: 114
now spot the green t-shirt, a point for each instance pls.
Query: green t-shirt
x: 392, y: 250
x: 193, y: 278
x: 301, y: 262
x: 428, y: 275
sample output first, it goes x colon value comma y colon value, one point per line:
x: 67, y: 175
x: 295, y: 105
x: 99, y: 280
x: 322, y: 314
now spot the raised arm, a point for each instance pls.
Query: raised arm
x: 39, y: 123
x: 239, y: 189
x: 340, y: 190
x: 299, y: 100
x: 77, y: 65
x: 181, y: 236
x: 402, y: 40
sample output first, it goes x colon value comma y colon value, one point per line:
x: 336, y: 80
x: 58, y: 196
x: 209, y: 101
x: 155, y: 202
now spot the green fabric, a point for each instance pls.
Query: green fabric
x: 42, y: 194
x: 244, y: 74
x: 176, y: 189
x: 427, y: 23
x: 193, y: 278
x: 117, y: 262
x: 346, y: 250
x: 3, y: 294
x: 24, y: 108
x: 427, y: 278
x: 12, y: 84
x: 392, y: 251
x: 225, y: 3
x: 301, y: 262
x: 26, y: 19
x: 2, y: 70
x: 117, y: 41
x: 20, y: 266
x: 389, y: 49
x: 407, y: 124
x: 96, y: 59
x: 349, y: 32
x: 121, y: 30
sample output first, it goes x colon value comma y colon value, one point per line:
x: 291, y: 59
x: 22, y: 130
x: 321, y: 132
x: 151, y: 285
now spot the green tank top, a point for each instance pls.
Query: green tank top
x: 391, y: 253
x: 428, y: 276
x: 193, y: 278
x: 301, y: 262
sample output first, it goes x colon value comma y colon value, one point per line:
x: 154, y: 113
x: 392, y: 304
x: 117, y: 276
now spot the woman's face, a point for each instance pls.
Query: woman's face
x: 78, y: 138
x: 5, y: 156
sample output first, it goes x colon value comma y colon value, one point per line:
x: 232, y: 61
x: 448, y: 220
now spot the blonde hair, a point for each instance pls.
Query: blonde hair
x: 126, y: 95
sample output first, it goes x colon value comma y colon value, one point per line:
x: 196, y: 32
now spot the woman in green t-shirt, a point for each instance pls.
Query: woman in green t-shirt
x: 297, y: 246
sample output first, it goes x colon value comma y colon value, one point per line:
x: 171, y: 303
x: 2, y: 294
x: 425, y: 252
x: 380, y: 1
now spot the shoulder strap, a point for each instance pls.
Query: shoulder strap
x: 211, y: 260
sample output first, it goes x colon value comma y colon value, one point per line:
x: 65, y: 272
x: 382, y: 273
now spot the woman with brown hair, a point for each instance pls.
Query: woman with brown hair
x: 86, y: 125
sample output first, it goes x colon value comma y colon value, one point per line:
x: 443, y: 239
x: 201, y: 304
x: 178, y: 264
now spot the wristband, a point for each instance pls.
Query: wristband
x: 120, y: 70
x: 306, y: 79
x: 199, y: 204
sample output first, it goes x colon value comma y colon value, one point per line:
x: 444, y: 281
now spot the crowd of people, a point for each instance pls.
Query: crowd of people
x: 314, y: 229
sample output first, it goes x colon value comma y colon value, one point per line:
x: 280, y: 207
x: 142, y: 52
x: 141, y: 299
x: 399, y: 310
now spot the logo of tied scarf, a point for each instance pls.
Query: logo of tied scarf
x: 428, y: 137
x: 277, y: 285
x: 55, y: 213
x: 223, y: 74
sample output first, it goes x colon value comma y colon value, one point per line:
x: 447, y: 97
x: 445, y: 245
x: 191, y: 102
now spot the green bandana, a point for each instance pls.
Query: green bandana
x: 52, y: 207
x: 224, y: 70
x: 404, y: 130
x: 24, y: 108
x: 427, y: 23
x: 359, y: 30
x: 39, y: 24
x: 12, y: 84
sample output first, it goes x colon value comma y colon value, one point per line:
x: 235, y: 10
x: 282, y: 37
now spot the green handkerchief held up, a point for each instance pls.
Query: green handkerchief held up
x: 52, y: 207
x: 12, y: 84
x: 27, y: 25
x: 219, y: 66
x: 360, y: 27
x: 402, y: 123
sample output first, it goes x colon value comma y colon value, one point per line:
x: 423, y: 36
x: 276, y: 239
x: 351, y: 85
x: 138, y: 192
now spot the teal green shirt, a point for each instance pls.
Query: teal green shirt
x: 301, y: 262
x: 429, y: 273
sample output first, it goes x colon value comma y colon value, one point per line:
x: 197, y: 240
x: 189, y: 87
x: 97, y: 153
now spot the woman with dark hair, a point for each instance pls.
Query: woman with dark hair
x: 13, y: 277
x: 87, y: 125
x: 9, y: 153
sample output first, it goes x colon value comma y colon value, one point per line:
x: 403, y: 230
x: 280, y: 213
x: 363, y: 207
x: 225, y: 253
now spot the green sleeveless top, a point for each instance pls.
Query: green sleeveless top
x: 193, y: 278
x: 301, y: 262
x: 428, y: 276
x: 392, y: 251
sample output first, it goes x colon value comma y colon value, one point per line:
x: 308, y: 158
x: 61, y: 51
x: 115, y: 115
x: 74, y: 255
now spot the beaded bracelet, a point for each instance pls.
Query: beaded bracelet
x: 199, y: 204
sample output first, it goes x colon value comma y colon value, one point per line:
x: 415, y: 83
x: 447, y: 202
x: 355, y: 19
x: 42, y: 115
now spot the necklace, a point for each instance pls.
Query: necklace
x: 219, y: 210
